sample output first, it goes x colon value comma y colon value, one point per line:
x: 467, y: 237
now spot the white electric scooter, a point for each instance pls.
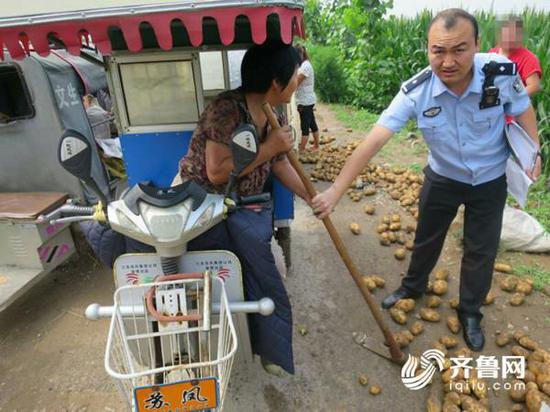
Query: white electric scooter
x: 176, y: 314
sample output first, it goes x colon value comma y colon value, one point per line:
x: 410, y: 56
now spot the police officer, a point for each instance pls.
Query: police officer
x: 459, y: 103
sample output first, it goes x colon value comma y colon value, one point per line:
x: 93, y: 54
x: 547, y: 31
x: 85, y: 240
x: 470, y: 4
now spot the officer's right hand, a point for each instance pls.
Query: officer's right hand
x: 324, y: 203
x: 281, y: 139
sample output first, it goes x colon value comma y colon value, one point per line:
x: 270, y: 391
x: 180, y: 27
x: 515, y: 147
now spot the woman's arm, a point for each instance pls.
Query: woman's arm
x: 532, y: 84
x: 219, y: 159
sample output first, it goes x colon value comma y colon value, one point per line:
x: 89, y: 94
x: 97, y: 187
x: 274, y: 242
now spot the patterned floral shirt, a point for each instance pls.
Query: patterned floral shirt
x: 218, y: 121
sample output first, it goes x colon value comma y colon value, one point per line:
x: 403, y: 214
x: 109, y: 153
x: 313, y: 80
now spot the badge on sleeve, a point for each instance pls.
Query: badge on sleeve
x: 432, y: 111
x: 518, y: 85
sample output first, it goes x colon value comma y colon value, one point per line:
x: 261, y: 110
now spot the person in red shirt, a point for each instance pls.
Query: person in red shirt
x: 511, y: 45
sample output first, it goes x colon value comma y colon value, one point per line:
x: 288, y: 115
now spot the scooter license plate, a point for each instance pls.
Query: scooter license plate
x: 192, y: 395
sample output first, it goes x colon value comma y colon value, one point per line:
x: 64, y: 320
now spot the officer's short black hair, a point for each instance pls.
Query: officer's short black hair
x: 270, y: 61
x: 450, y: 18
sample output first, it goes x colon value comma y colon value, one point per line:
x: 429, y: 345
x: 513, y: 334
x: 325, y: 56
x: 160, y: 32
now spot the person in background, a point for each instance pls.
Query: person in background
x: 99, y: 118
x: 306, y: 99
x: 511, y: 45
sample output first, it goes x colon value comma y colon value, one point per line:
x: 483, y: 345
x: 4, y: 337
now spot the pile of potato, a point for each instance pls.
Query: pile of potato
x: 518, y: 287
x: 537, y: 373
x: 402, y: 185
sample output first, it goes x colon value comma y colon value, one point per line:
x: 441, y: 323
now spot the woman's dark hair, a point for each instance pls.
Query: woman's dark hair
x: 302, y: 52
x: 270, y: 61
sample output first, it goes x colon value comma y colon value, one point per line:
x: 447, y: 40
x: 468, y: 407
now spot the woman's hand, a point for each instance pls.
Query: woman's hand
x: 281, y: 139
x: 324, y: 203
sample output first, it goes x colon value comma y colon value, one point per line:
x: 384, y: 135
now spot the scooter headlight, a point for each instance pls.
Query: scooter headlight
x: 206, y: 216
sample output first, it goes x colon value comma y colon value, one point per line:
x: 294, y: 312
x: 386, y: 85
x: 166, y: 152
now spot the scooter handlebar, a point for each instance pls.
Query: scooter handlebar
x: 264, y: 306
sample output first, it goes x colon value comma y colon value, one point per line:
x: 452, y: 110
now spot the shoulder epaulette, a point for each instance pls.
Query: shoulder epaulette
x: 500, y: 69
x: 417, y: 80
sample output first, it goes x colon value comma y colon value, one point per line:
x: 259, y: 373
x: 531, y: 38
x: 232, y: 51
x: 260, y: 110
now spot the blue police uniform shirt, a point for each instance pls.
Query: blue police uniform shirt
x: 465, y: 143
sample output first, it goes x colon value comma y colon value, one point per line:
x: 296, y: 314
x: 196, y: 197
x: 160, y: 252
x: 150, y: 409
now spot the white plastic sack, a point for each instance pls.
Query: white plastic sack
x: 522, y: 232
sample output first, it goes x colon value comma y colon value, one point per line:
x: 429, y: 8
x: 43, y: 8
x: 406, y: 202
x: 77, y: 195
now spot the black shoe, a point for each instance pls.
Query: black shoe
x: 473, y: 334
x: 399, y: 293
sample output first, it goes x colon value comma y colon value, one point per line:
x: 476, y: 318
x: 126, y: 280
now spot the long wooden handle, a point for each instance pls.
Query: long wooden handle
x: 395, y: 352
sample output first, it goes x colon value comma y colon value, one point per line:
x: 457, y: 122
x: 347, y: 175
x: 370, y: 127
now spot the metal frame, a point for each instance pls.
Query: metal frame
x: 132, y: 10
x: 115, y: 81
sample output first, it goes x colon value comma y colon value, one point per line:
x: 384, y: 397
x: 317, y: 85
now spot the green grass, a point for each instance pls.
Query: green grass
x: 538, y: 203
x: 357, y: 119
x: 540, y: 277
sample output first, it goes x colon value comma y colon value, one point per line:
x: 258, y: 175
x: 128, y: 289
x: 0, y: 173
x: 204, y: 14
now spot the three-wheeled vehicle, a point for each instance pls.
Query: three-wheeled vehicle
x: 164, y: 62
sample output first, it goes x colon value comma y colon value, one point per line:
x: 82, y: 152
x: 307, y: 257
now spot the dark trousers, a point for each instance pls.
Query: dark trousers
x: 307, y: 119
x: 439, y: 201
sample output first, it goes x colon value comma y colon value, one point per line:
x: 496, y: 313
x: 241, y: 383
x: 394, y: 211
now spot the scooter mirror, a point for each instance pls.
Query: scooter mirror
x: 75, y: 154
x: 244, y: 147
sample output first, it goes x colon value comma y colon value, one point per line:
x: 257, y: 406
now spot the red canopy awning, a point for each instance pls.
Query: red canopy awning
x: 20, y: 39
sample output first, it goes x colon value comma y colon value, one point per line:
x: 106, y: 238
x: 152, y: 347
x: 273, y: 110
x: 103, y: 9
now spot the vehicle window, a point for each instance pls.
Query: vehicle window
x: 212, y: 70
x: 235, y: 57
x: 15, y: 101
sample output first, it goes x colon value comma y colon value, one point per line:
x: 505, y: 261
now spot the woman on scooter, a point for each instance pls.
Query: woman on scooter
x: 269, y: 74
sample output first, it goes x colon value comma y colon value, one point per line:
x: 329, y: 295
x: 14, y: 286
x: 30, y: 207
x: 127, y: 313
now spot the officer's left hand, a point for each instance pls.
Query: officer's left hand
x: 535, y: 173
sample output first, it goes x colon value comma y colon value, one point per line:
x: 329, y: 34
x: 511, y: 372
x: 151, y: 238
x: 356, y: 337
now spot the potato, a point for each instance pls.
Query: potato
x: 433, y: 301
x: 400, y: 254
x: 542, y: 379
x: 518, y: 334
x: 453, y: 303
x: 387, y: 220
x: 395, y: 226
x: 410, y: 228
x: 355, y: 229
x: 384, y: 241
x: 528, y: 343
x: 363, y: 380
x: 402, y: 340
x: 392, y: 237
x: 381, y: 228
x: 368, y: 282
x: 545, y: 388
x: 509, y: 283
x: 369, y: 209
x: 453, y: 324
x: 398, y: 316
x: 440, y: 287
x: 540, y: 355
x: 375, y: 390
x: 442, y: 274
x: 406, y: 305
x: 380, y: 282
x: 503, y: 267
x: 369, y: 191
x: 479, y: 387
x: 517, y: 299
x: 450, y: 407
x: 430, y: 315
x: 433, y: 404
x: 524, y: 287
x: 517, y: 394
x: 489, y: 299
x: 533, y: 400
x: 453, y: 397
x: 503, y: 340
x: 395, y: 218
x: 464, y: 352
x: 409, y: 244
x: 430, y: 287
x: 518, y: 407
x: 302, y: 330
x: 519, y: 351
x: 462, y: 388
x: 401, y: 239
x: 440, y: 347
x: 416, y: 328
x: 449, y: 341
x: 529, y: 377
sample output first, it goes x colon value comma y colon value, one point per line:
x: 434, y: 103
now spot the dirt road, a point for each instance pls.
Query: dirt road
x: 51, y: 357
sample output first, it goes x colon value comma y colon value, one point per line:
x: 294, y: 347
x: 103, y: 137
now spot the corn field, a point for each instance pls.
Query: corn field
x: 361, y: 55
